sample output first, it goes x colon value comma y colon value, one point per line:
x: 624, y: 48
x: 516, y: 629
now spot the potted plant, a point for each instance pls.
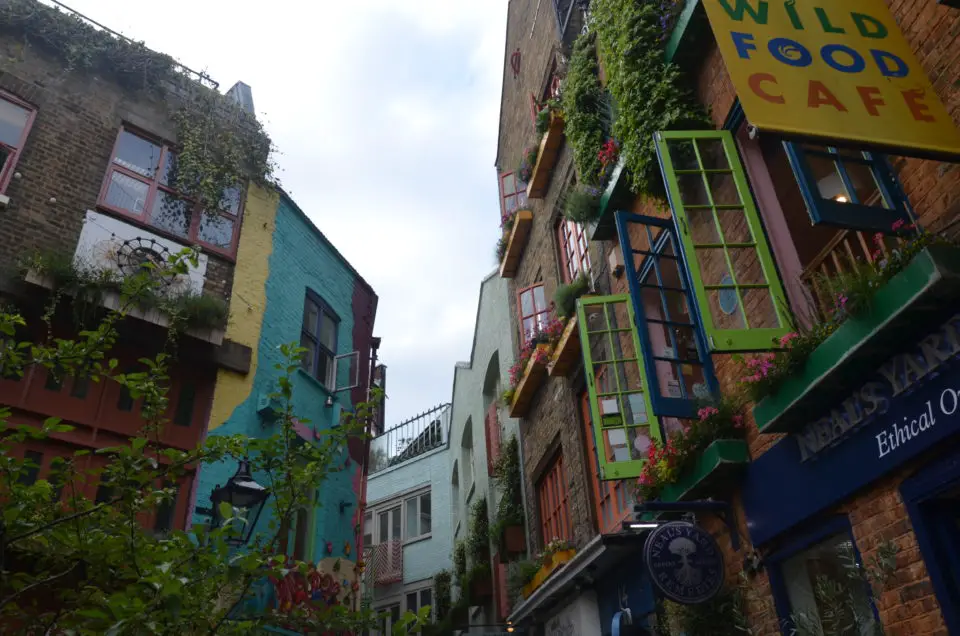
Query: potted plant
x: 527, y: 163
x: 582, y: 204
x: 508, y: 531
x: 565, y: 298
x: 480, y: 576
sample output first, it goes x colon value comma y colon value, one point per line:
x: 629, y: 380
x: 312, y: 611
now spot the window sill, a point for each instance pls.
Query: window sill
x: 4, y: 200
x: 422, y: 537
x: 317, y: 383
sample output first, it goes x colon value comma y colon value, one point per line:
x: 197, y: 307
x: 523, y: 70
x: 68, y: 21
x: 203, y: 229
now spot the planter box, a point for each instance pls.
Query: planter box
x: 481, y: 589
x: 912, y: 304
x: 546, y: 159
x: 530, y: 383
x: 719, y: 464
x: 557, y: 559
x: 513, y: 541
x: 519, y: 234
x: 567, y: 353
x: 616, y: 196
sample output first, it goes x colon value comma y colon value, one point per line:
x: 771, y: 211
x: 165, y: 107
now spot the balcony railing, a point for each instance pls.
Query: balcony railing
x: 425, y: 432
x: 384, y: 564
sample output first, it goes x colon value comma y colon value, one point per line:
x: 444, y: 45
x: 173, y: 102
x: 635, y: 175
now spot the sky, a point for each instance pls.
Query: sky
x: 385, y: 113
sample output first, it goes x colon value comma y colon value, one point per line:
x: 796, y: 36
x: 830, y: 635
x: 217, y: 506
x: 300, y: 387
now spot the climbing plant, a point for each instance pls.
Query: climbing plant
x: 584, y: 108
x: 650, y: 94
x: 219, y: 145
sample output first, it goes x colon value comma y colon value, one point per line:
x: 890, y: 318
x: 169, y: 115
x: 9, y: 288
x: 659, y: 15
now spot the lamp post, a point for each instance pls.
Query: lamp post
x: 244, y: 494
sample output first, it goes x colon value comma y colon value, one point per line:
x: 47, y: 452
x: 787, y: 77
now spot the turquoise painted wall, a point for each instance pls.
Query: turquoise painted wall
x: 299, y: 259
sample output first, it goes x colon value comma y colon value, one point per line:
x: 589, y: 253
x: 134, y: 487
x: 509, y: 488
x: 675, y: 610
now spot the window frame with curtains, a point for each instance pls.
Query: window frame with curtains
x: 517, y: 196
x: 539, y: 315
x: 8, y: 163
x: 312, y: 341
x: 552, y: 500
x: 611, y: 500
x: 844, y: 208
x: 156, y: 178
x: 574, y: 247
x: 417, y: 500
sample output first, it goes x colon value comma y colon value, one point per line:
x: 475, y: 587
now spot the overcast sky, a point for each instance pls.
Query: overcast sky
x: 385, y: 113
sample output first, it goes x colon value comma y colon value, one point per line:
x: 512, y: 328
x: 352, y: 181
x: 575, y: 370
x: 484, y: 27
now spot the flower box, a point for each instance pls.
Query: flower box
x: 546, y: 159
x: 722, y: 461
x: 567, y: 352
x: 909, y: 306
x: 557, y: 559
x: 519, y: 234
x: 616, y: 196
x: 513, y: 541
x: 533, y: 376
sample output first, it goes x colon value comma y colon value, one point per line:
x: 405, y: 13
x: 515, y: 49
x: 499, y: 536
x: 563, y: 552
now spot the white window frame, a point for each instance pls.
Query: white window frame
x: 419, y: 592
x: 406, y: 522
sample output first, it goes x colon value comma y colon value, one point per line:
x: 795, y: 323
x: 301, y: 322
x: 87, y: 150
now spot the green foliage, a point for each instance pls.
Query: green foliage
x: 219, y: 144
x: 501, y: 249
x: 582, y: 204
x: 520, y: 573
x: 553, y: 106
x: 565, y: 298
x: 478, y: 539
x: 583, y: 109
x: 75, y: 566
x: 442, y: 593
x: 527, y: 163
x: 720, y: 616
x: 508, y: 478
x: 460, y: 560
x: 650, y: 94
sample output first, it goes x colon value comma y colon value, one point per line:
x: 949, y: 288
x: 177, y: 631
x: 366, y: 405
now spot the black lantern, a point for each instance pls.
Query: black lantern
x: 243, y: 493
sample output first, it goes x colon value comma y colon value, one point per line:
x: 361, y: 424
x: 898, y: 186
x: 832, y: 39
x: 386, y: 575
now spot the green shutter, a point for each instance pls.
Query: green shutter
x: 738, y: 291
x: 617, y: 382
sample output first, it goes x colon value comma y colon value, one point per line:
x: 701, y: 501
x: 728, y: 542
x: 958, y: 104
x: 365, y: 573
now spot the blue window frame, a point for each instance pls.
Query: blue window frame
x: 318, y: 336
x: 672, y: 341
x: 794, y: 570
x: 848, y: 188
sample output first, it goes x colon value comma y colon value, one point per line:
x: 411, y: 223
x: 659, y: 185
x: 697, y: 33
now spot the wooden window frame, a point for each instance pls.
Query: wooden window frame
x: 9, y: 166
x: 526, y: 338
x: 520, y: 192
x: 552, y: 499
x: 574, y: 250
x: 154, y: 187
x: 323, y: 308
x: 605, y: 493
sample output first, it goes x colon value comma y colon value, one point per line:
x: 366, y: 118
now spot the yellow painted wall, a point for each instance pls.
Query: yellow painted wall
x: 248, y: 298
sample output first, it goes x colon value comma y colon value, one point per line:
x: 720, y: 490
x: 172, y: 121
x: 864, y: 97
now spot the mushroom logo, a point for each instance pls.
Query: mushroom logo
x: 686, y: 574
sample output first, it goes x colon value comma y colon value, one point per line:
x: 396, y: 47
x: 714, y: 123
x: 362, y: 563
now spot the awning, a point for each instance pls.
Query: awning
x: 601, y: 554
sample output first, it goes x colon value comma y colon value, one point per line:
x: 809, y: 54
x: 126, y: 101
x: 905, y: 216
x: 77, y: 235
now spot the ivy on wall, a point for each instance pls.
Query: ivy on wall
x: 583, y: 109
x: 651, y: 94
x: 219, y: 145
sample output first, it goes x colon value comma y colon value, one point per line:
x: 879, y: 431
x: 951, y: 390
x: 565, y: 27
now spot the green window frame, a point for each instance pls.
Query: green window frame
x: 740, y: 298
x: 624, y: 423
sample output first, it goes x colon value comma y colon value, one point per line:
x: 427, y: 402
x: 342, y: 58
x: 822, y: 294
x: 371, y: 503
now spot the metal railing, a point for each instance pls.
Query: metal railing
x: 384, y: 564
x: 414, y: 437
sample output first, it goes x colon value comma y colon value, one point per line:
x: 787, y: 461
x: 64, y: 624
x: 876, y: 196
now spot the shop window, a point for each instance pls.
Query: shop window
x: 139, y: 184
x: 611, y: 498
x: 818, y: 584
x: 534, y: 312
x: 16, y: 118
x: 674, y: 349
x: 620, y: 409
x: 319, y: 337
x: 418, y: 600
x: 418, y: 516
x: 574, y: 250
x: 513, y: 193
x: 552, y: 495
x: 738, y: 291
x: 848, y: 188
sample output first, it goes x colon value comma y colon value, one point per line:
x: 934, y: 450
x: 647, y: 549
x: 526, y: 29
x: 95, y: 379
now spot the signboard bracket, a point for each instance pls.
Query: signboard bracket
x: 721, y: 509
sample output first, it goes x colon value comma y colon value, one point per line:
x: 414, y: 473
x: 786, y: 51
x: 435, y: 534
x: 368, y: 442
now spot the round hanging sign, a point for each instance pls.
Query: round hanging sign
x: 684, y: 562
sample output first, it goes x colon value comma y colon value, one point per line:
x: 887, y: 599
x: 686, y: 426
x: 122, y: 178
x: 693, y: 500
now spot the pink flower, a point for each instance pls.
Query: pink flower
x: 786, y: 338
x: 707, y: 412
x: 738, y: 421
x: 897, y: 224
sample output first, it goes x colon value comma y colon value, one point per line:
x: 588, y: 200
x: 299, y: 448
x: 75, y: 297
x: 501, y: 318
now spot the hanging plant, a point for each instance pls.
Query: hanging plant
x: 553, y: 108
x: 527, y: 163
x: 583, y: 109
x: 507, y: 476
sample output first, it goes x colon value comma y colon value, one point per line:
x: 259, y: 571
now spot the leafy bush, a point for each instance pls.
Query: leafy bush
x: 478, y: 541
x: 583, y: 109
x: 582, y: 204
x: 507, y: 477
x: 565, y: 298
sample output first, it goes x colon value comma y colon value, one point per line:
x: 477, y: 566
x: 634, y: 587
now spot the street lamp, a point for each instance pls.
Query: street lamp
x: 244, y: 494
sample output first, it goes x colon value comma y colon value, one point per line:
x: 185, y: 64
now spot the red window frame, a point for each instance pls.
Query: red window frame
x: 540, y: 314
x: 10, y: 165
x: 153, y: 187
x: 574, y: 250
x: 517, y: 195
x: 552, y: 497
x: 610, y: 498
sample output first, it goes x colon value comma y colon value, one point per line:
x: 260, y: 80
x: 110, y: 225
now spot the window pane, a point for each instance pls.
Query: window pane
x: 170, y: 214
x: 328, y: 332
x: 395, y: 524
x: 426, y: 598
x: 137, y: 154
x: 384, y: 521
x: 412, y: 522
x: 126, y: 193
x: 368, y: 528
x: 325, y: 369
x: 185, y: 403
x: 216, y: 230
x: 509, y: 184
x: 230, y: 201
x: 539, y: 299
x: 31, y: 469
x: 309, y: 354
x: 412, y: 602
x: 310, y: 314
x: 169, y: 168
x: 425, y: 514
x: 13, y: 119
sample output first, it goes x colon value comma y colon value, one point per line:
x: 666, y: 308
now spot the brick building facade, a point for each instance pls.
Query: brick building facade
x: 870, y: 505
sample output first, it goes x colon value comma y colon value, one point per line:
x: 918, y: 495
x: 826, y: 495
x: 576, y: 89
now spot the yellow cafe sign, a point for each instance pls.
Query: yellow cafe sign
x: 839, y: 70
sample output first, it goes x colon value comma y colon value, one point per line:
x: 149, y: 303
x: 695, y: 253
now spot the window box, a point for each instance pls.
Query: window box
x: 566, y: 355
x: 720, y: 462
x: 615, y: 196
x: 556, y: 560
x: 513, y: 541
x: 914, y: 302
x: 546, y: 159
x: 519, y: 236
x: 529, y: 385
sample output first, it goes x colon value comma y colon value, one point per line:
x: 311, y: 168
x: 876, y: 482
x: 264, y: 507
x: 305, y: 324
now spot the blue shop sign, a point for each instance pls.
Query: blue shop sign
x: 685, y: 562
x: 911, y: 404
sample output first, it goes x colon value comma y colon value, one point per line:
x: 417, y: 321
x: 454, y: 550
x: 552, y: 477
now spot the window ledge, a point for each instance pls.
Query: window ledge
x: 721, y: 462
x: 422, y: 537
x: 317, y: 383
x: 4, y: 200
x: 616, y: 195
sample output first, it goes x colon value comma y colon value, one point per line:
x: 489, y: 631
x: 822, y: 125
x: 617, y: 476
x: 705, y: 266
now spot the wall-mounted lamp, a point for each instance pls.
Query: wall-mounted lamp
x: 329, y: 401
x: 244, y: 494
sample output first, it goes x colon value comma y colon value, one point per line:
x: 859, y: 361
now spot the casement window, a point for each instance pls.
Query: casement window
x: 389, y: 526
x: 491, y: 426
x: 848, y: 188
x: 419, y: 599
x: 574, y: 250
x: 417, y: 511
x: 612, y: 502
x: 16, y: 118
x: 513, y: 193
x: 319, y: 337
x: 552, y: 496
x: 534, y: 312
x: 367, y: 528
x: 139, y: 184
